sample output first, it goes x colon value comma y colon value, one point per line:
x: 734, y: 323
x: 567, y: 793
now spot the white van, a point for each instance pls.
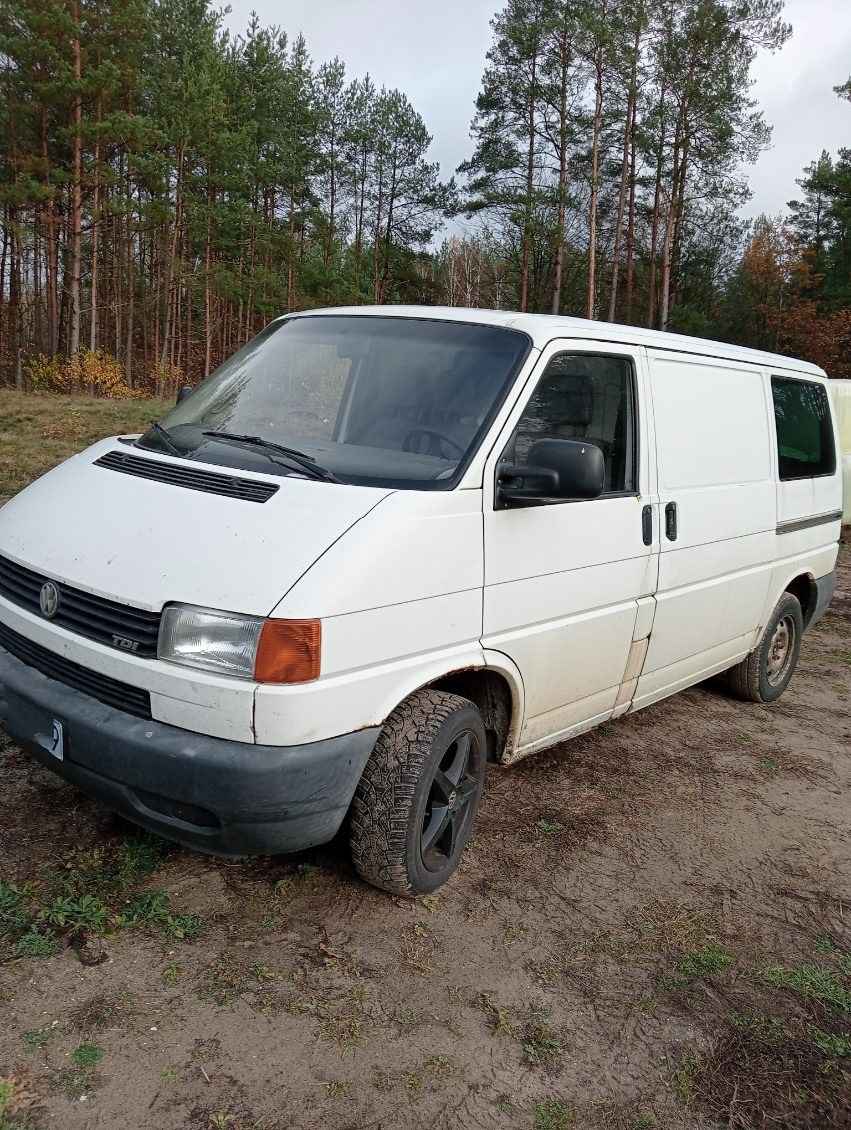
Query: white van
x: 381, y: 547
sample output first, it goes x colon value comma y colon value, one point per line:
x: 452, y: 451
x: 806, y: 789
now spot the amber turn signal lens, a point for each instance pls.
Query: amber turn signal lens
x: 289, y: 651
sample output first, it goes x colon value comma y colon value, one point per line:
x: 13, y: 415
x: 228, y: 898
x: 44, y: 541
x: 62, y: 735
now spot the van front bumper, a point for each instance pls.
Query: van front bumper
x: 224, y: 797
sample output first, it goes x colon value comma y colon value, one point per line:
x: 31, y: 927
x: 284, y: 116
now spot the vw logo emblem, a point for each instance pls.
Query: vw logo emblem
x: 48, y: 600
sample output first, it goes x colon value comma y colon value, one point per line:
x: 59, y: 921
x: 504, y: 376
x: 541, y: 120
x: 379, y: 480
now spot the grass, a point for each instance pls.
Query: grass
x: 553, y: 1114
x: 541, y: 1046
x: 833, y: 1046
x: 698, y: 965
x: 685, y: 1078
x: 781, y: 1057
x: 812, y: 982
x: 5, y: 1098
x: 35, y: 943
x: 153, y: 909
x: 549, y: 827
x: 17, y: 1099
x: 86, y: 1056
x: 172, y: 973
x: 77, y: 1080
x: 12, y: 909
x: 39, y: 431
x: 37, y: 1038
x: 93, y: 894
x: 705, y: 962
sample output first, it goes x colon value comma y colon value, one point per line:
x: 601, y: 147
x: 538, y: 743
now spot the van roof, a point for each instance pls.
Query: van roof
x: 542, y: 328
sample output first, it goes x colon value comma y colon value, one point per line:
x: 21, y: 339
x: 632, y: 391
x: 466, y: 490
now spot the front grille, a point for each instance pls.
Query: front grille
x: 178, y: 475
x: 118, y: 625
x: 131, y: 700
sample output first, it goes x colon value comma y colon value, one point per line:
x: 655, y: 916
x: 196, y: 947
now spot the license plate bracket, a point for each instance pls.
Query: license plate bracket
x: 52, y: 741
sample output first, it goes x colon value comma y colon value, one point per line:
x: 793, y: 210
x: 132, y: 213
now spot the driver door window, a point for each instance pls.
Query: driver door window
x: 590, y: 397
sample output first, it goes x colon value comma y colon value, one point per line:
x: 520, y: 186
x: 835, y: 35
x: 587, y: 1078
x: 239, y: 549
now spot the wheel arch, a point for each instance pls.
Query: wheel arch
x: 805, y: 589
x: 495, y: 685
x: 492, y: 693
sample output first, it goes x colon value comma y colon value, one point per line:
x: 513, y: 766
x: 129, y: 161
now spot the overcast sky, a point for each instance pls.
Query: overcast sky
x: 434, y: 51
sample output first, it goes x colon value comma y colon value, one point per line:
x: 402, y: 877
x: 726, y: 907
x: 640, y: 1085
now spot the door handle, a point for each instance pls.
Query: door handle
x: 647, y: 525
x: 671, y: 521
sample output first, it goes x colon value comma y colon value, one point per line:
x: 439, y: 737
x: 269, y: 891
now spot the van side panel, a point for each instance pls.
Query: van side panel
x: 715, y: 468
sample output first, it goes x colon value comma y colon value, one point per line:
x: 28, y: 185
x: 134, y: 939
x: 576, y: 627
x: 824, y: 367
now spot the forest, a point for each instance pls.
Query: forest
x: 166, y: 187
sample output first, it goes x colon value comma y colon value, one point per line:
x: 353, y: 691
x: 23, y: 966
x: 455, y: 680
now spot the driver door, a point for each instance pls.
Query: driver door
x: 569, y: 585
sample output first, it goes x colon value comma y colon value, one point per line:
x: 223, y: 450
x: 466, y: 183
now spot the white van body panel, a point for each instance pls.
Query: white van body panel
x: 146, y: 543
x: 715, y: 466
x: 414, y: 546
x: 401, y: 604
x: 563, y: 582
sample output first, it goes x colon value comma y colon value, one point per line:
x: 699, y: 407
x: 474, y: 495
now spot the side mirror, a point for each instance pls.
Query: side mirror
x: 182, y: 393
x: 558, y: 469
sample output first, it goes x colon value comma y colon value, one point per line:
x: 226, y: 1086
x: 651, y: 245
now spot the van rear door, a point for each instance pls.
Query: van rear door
x: 718, y: 513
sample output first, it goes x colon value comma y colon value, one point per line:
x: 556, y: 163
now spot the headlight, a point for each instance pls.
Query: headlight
x: 246, y: 647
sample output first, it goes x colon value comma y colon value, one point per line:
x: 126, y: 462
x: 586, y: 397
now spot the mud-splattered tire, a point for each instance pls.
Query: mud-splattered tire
x: 416, y: 802
x: 765, y: 674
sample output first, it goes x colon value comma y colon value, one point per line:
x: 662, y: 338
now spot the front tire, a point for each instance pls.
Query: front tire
x: 416, y: 802
x: 765, y: 674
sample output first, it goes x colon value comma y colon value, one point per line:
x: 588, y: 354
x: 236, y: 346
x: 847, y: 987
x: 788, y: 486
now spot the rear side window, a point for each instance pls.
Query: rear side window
x: 804, y: 429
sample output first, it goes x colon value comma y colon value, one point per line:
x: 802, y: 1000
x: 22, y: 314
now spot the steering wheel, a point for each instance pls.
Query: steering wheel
x: 435, y: 440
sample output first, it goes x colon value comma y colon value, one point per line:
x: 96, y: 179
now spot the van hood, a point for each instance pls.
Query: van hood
x: 146, y: 543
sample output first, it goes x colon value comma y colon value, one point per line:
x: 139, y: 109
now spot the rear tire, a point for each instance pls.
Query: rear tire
x: 416, y: 803
x: 765, y: 674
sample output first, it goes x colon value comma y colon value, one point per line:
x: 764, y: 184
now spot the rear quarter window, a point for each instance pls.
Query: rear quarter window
x: 805, y: 447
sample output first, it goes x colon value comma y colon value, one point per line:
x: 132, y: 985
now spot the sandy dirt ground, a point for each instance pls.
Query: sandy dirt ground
x: 637, y: 905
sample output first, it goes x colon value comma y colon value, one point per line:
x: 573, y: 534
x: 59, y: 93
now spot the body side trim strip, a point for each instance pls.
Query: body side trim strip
x: 807, y: 523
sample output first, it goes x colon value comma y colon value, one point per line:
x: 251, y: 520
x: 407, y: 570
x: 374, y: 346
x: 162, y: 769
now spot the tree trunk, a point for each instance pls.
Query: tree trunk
x: 76, y: 217
x: 51, y: 249
x: 562, y: 170
x: 376, y: 235
x: 360, y: 211
x: 530, y: 183
x: 654, y: 227
x: 3, y: 255
x: 15, y: 298
x: 591, y: 302
x: 630, y: 238
x: 671, y: 219
x: 208, y: 337
x: 628, y: 133
x: 388, y: 231
x: 172, y: 258
x: 332, y: 203
x: 93, y: 318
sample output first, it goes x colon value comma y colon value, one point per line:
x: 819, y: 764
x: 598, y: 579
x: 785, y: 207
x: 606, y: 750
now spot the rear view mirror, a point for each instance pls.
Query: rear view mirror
x: 182, y: 393
x: 558, y: 470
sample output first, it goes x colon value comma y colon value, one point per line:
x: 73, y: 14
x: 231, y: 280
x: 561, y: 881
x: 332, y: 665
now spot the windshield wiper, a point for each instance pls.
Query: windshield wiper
x: 164, y: 435
x: 298, y: 459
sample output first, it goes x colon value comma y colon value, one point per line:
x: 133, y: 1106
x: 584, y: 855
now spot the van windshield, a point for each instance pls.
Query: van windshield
x: 384, y: 401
